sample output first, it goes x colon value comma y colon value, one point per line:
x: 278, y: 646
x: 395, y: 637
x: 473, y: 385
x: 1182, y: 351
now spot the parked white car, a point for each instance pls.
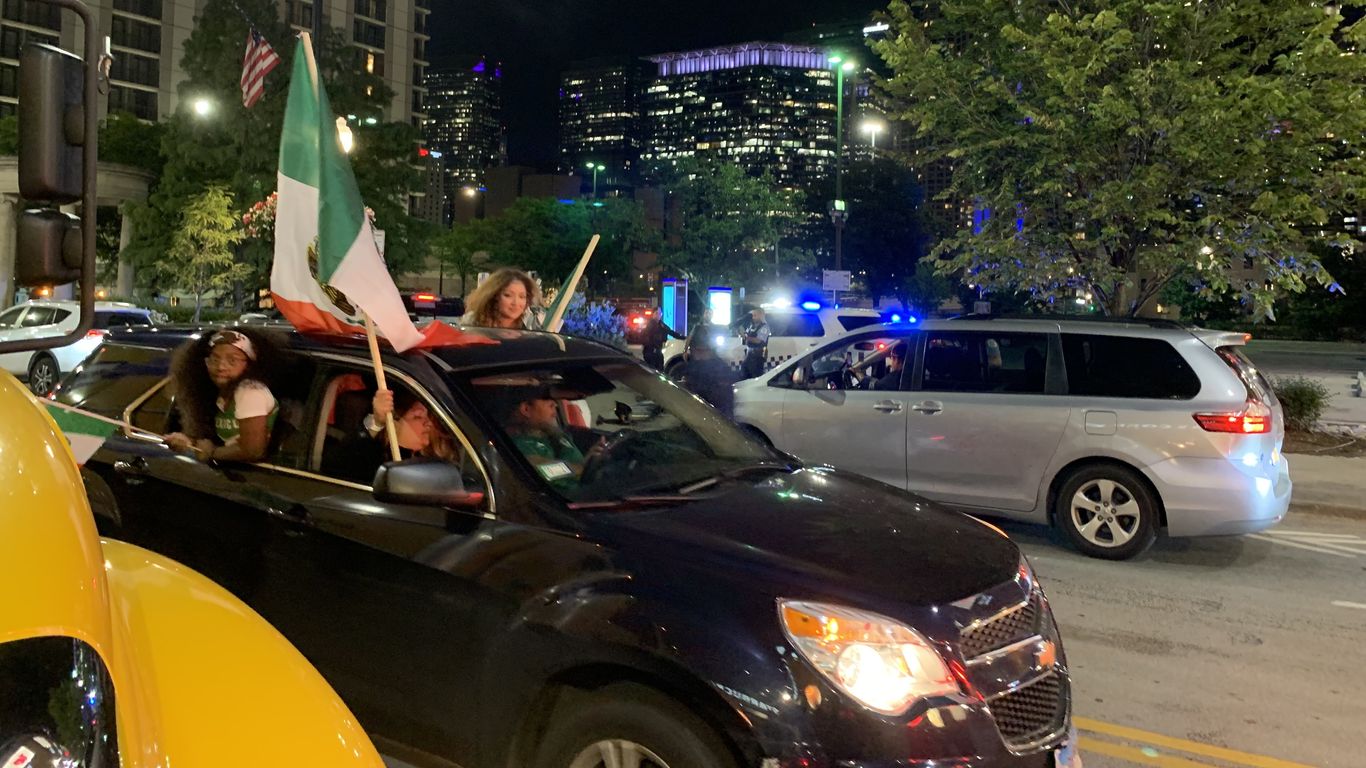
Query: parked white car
x: 1111, y: 431
x: 44, y: 318
x: 792, y: 332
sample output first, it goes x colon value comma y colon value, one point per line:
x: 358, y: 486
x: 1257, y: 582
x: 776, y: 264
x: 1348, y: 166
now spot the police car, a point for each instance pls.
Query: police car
x: 792, y: 331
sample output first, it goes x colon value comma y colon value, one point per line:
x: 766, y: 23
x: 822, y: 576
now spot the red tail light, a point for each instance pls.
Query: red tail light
x: 1255, y: 419
x: 96, y: 333
x: 424, y: 297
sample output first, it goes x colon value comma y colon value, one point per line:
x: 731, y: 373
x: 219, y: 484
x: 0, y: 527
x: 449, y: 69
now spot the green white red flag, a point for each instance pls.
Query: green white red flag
x: 328, y: 269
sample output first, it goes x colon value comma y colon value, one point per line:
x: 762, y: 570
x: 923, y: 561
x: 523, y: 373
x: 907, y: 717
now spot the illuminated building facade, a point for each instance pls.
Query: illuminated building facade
x: 601, y: 120
x: 763, y: 106
x: 465, y: 124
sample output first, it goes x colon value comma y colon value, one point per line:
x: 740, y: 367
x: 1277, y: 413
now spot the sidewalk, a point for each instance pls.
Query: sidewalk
x: 1345, y: 411
x: 1328, y: 484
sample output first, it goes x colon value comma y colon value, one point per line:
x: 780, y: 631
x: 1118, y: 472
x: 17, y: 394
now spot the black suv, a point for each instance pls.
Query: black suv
x: 687, y: 597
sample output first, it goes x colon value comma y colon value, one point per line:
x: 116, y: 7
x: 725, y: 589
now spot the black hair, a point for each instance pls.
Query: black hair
x: 196, y: 396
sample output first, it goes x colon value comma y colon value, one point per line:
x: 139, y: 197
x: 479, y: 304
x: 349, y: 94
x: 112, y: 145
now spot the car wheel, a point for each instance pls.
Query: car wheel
x: 630, y: 726
x: 1108, y: 512
x: 674, y: 368
x: 42, y: 375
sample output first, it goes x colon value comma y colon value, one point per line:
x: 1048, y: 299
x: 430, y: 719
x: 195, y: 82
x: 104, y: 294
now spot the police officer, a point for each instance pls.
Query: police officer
x: 755, y: 337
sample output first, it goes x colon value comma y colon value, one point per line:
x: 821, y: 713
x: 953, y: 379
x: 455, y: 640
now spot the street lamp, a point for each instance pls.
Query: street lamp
x: 344, y: 135
x: 202, y: 106
x: 872, y: 128
x: 838, y: 212
x: 595, y: 168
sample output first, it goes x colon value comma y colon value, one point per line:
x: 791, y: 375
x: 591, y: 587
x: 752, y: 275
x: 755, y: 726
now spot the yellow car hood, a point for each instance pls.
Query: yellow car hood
x: 199, y: 679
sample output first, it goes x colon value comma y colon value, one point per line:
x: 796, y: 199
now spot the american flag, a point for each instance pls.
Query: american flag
x: 259, y: 60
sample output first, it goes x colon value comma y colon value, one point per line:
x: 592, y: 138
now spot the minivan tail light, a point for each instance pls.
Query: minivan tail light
x: 1255, y: 419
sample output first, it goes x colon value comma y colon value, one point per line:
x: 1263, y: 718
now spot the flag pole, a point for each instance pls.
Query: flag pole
x: 555, y: 321
x: 389, y: 427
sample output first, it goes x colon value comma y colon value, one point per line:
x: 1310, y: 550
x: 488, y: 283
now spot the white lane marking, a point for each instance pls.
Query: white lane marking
x: 1345, y: 604
x: 1312, y: 534
x: 1297, y: 545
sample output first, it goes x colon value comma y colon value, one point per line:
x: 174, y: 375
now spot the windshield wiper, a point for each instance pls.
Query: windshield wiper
x: 634, y: 500
x: 734, y: 474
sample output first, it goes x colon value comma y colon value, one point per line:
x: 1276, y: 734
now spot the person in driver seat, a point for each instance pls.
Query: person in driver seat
x: 896, y: 358
x: 532, y: 421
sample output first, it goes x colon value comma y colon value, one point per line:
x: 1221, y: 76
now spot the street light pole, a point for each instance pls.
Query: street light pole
x: 838, y: 210
x: 595, y: 167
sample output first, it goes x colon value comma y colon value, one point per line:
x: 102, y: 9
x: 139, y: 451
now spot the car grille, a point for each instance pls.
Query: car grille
x: 1032, y: 713
x: 1002, y: 630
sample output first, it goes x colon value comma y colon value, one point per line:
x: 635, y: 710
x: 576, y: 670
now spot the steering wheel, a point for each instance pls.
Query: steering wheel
x: 598, y: 461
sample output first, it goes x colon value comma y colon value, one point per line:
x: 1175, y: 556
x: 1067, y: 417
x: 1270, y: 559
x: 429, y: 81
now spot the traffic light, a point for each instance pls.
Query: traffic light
x: 51, y: 124
x: 58, y: 133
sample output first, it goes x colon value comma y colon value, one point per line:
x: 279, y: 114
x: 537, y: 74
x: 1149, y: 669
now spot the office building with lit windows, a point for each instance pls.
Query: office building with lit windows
x: 148, y: 41
x: 763, y: 106
x: 601, y: 119
x: 465, y: 123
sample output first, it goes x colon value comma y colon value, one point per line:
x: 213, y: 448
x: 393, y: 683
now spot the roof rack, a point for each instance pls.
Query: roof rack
x: 1151, y: 322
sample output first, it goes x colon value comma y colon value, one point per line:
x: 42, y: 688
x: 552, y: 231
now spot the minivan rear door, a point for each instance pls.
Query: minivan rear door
x: 985, y: 419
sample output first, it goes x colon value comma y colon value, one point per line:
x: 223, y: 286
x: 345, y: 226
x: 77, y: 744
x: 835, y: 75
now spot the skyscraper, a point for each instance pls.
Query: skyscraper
x: 600, y: 119
x: 465, y: 123
x: 148, y: 39
x: 764, y: 106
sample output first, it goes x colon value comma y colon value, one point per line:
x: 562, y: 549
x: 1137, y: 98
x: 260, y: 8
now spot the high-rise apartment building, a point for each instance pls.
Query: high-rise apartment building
x: 148, y: 41
x: 763, y: 106
x: 465, y: 124
x: 601, y: 121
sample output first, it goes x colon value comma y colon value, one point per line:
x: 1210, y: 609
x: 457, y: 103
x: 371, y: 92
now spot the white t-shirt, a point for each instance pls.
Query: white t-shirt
x: 250, y: 399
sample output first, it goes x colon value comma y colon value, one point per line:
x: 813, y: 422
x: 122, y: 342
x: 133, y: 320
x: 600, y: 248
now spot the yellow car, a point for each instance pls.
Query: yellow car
x: 111, y: 655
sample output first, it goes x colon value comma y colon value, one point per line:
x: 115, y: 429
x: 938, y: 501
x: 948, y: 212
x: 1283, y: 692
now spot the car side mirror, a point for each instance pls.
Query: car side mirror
x: 427, y: 481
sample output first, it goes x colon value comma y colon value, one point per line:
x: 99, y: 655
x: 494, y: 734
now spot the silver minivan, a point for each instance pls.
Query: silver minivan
x: 1110, y: 430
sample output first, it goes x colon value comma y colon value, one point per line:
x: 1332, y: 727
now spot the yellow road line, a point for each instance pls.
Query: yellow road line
x: 1183, y: 745
x: 1088, y: 745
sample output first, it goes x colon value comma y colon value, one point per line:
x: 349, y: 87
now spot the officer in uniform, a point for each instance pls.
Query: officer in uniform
x: 755, y: 337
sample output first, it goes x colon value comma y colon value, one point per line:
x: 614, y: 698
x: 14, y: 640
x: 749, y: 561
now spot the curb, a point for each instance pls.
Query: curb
x: 1325, y: 510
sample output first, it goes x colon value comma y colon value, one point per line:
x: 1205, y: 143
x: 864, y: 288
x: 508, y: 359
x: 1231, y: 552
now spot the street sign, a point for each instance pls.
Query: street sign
x: 836, y: 279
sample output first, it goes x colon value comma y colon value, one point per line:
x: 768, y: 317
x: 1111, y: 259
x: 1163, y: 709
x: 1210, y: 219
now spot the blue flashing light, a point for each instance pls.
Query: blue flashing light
x: 896, y: 318
x: 811, y: 306
x: 912, y: 319
x: 565, y: 201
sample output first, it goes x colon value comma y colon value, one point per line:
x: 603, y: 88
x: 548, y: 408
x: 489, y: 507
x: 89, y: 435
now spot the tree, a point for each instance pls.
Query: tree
x: 238, y: 148
x: 884, y: 239
x: 201, y: 257
x: 730, y: 222
x: 1107, y: 146
x: 462, y: 249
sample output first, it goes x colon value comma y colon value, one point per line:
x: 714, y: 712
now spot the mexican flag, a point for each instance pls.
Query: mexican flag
x: 83, y: 431
x: 328, y: 269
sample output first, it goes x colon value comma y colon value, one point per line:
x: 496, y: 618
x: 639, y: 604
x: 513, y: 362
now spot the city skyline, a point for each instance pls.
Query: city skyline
x: 536, y: 44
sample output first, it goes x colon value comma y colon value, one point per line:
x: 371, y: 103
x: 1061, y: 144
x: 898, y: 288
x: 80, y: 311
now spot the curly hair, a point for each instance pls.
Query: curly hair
x: 195, y: 393
x: 483, y: 301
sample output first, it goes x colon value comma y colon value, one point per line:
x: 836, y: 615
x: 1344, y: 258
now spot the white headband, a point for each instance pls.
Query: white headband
x: 234, y: 339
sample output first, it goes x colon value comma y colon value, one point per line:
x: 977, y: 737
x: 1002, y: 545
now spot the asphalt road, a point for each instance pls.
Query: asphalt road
x: 1246, y: 651
x: 1299, y: 356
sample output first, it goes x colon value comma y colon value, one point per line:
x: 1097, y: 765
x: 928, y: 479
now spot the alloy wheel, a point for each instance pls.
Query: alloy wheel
x: 1106, y: 513
x: 617, y: 753
x: 42, y: 377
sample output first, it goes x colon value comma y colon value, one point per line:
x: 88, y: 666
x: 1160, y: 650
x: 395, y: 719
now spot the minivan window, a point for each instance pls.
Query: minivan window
x: 794, y: 325
x: 119, y: 319
x: 1125, y: 366
x: 978, y: 361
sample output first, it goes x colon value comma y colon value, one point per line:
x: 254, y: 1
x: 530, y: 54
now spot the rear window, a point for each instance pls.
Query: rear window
x: 1258, y: 385
x: 854, y: 322
x: 1122, y: 366
x: 794, y: 325
x: 113, y: 377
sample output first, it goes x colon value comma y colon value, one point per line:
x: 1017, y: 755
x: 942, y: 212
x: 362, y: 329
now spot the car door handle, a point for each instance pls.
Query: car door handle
x: 887, y: 406
x: 296, y: 519
x: 930, y: 407
x: 134, y: 467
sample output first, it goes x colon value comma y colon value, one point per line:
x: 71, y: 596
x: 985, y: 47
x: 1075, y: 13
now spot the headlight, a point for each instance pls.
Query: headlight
x: 883, y: 664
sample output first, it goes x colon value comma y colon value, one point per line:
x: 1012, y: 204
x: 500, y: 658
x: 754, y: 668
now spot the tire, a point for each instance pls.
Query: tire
x: 1107, y: 511
x: 43, y: 374
x: 674, y: 368
x: 637, y: 727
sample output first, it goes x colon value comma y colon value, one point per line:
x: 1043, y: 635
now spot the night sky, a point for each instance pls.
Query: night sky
x: 535, y: 39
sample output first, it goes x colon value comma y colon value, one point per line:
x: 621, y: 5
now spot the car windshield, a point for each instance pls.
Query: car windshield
x: 611, y: 431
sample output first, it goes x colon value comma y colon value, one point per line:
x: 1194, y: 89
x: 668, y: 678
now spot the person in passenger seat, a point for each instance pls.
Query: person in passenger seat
x: 359, y: 457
